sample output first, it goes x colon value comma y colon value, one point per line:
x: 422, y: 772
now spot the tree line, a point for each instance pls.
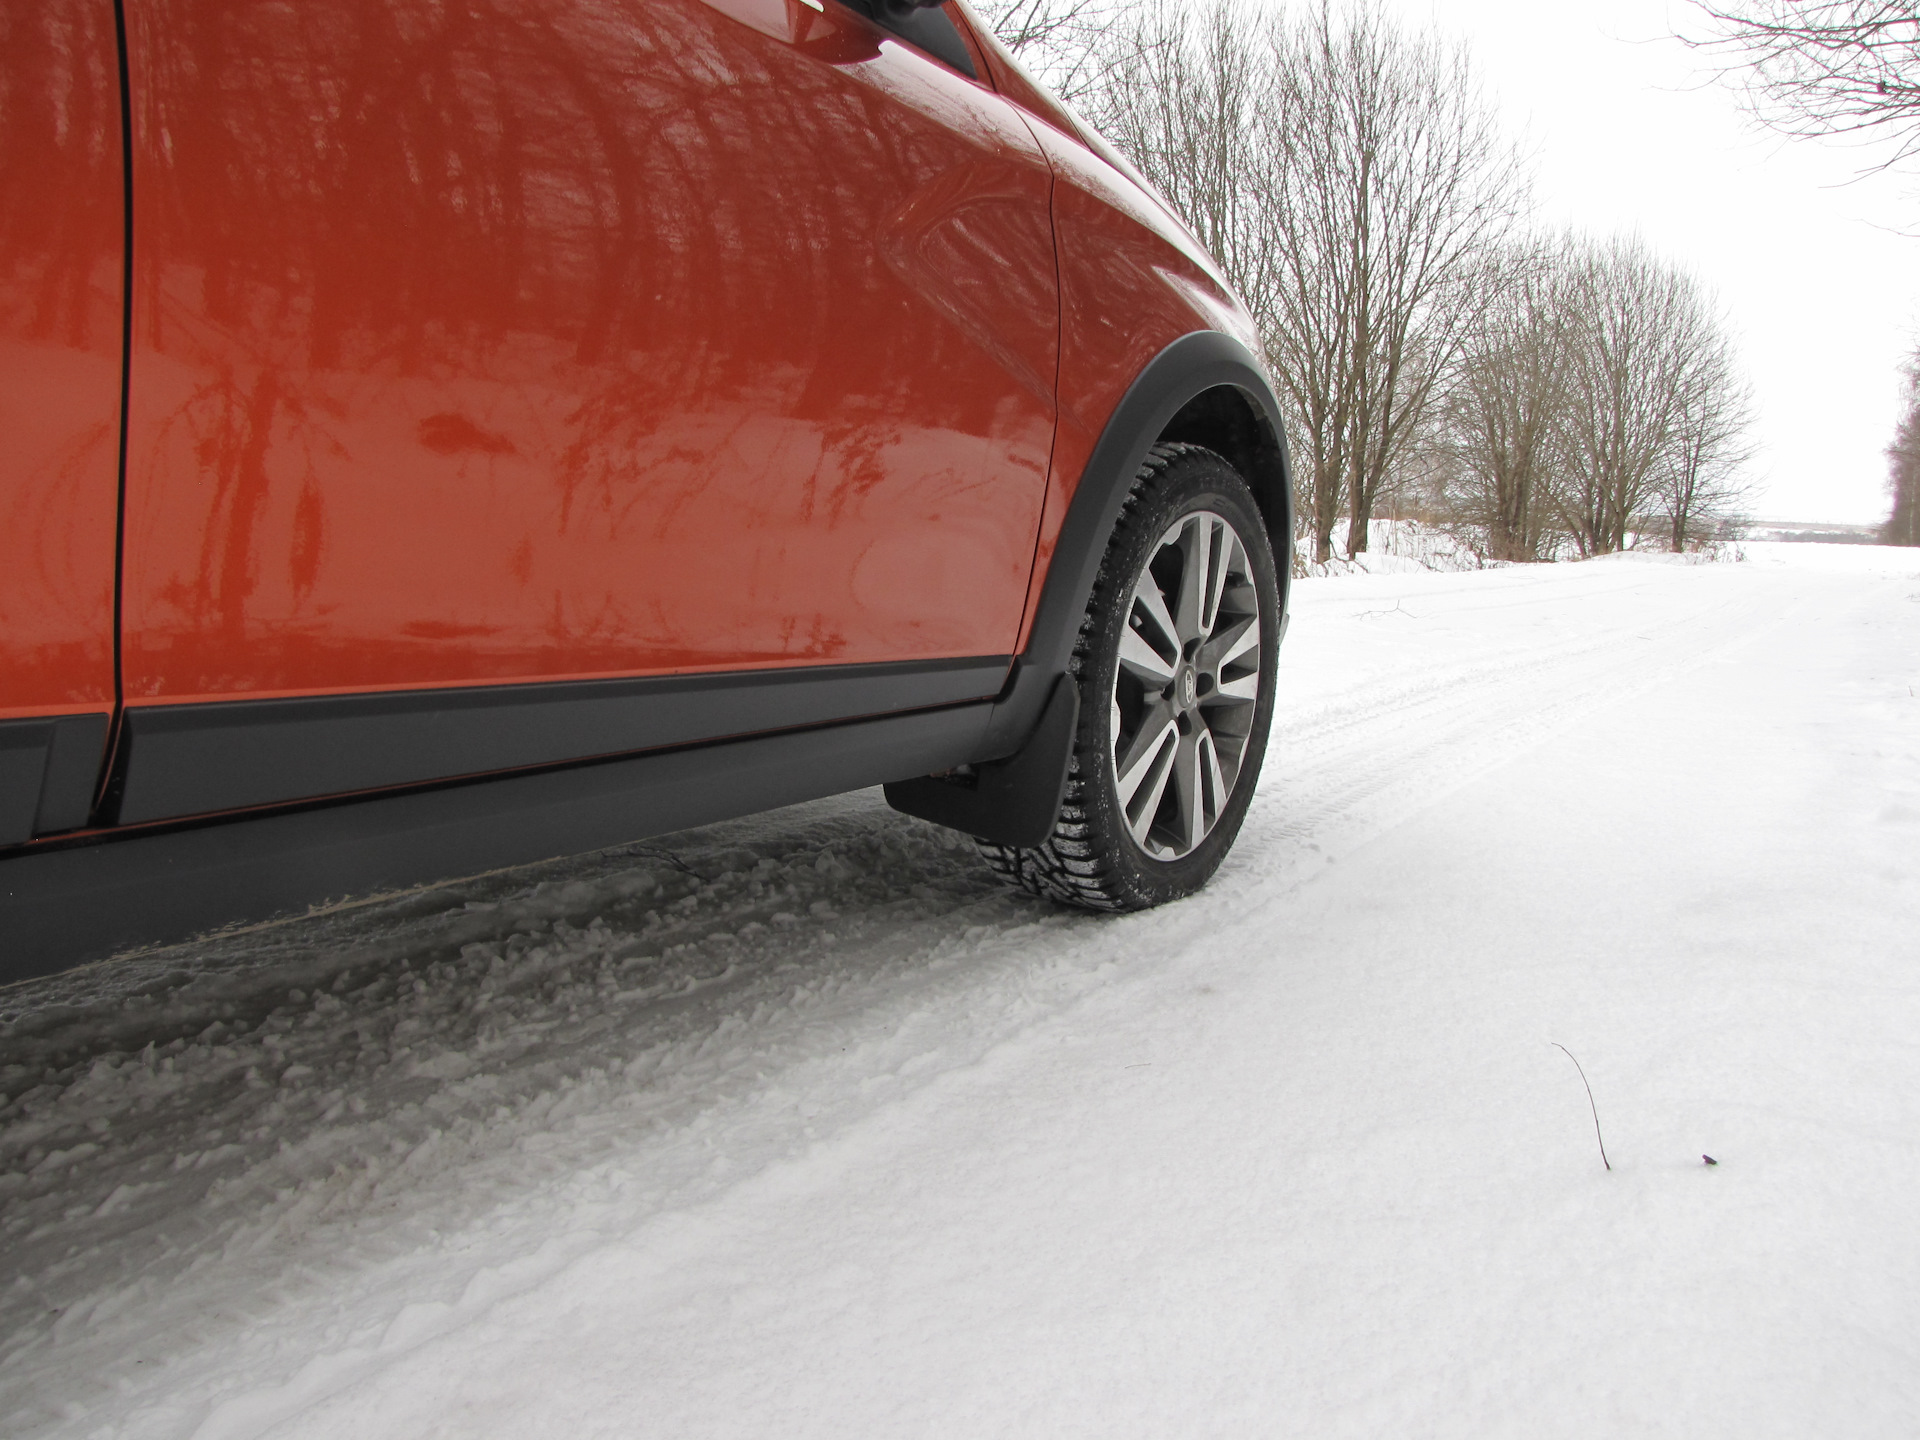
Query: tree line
x: 1541, y: 394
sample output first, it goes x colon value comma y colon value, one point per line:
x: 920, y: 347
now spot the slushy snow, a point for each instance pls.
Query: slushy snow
x: 801, y: 1126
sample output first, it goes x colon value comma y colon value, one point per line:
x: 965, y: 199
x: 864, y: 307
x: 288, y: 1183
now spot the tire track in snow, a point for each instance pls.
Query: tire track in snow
x: 1346, y: 771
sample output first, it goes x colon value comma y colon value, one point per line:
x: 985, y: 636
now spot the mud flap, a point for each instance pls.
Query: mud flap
x: 1012, y: 801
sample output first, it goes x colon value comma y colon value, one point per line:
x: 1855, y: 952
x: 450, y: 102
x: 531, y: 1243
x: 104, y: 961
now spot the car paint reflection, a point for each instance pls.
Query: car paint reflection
x: 61, y: 287
x: 532, y: 340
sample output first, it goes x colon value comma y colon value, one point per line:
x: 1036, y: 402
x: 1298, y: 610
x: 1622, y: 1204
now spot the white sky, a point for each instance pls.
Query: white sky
x: 1630, y: 132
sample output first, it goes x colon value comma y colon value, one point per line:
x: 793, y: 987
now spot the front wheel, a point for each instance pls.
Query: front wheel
x: 1175, y: 665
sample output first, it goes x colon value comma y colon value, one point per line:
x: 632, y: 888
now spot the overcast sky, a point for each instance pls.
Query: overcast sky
x: 1629, y: 132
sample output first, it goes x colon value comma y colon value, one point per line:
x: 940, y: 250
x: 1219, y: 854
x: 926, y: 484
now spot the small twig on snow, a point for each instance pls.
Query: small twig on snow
x: 1590, y: 1105
x: 1398, y: 609
x: 667, y: 855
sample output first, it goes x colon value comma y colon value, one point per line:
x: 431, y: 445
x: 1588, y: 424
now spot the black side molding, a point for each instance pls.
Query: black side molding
x: 64, y: 906
x: 1012, y: 801
x: 23, y: 764
x: 180, y: 760
x: 48, y: 769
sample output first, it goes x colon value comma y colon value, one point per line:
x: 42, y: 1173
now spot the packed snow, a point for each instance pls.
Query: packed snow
x: 799, y: 1125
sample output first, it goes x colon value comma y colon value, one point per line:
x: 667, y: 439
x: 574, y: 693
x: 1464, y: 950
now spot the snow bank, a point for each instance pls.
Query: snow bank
x: 1394, y: 547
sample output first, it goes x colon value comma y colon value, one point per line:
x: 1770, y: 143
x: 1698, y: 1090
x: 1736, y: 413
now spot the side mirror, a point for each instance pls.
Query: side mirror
x: 924, y: 24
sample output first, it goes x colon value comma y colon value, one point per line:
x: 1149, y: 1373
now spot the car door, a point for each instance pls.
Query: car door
x: 61, y: 309
x: 523, y: 343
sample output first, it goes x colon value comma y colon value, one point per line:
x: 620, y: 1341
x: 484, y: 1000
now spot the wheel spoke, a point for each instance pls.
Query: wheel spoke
x: 1133, y: 767
x: 1143, y: 660
x: 1230, y: 644
x: 1189, y: 819
x: 1196, y: 553
x: 1225, y: 551
x: 1147, y: 597
x: 1141, y: 800
x: 1243, y: 691
x: 1216, y: 779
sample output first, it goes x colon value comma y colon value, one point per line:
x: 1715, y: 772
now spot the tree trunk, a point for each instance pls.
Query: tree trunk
x: 1356, y: 534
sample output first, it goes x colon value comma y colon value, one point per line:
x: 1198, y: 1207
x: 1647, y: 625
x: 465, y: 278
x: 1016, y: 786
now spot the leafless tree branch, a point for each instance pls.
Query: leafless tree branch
x: 1828, y: 68
x: 1067, y: 44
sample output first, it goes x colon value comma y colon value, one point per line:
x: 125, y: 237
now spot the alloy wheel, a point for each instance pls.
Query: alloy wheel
x: 1185, y: 689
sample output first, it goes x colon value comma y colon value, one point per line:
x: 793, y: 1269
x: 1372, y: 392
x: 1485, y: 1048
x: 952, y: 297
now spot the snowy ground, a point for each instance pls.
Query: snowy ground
x: 798, y: 1126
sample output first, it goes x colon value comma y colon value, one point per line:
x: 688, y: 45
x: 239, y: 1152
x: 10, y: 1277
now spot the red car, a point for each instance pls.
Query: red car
x: 441, y: 436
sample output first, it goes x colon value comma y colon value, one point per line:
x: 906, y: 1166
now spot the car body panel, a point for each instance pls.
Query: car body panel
x: 455, y: 362
x: 62, y: 246
x: 1132, y: 281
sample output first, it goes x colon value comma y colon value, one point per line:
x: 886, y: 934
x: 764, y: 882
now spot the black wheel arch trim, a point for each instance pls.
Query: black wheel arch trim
x: 1163, y: 403
x: 1191, y: 367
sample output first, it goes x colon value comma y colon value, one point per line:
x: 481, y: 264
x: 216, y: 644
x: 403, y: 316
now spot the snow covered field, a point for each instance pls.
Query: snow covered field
x: 799, y: 1126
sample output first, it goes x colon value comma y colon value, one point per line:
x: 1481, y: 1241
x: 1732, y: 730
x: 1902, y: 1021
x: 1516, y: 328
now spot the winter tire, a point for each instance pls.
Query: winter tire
x: 1175, y: 665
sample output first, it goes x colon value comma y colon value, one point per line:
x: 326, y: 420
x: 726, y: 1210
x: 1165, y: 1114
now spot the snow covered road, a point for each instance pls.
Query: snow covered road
x: 799, y: 1125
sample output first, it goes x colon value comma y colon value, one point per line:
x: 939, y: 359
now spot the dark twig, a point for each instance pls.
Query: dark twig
x: 667, y: 855
x: 1590, y: 1105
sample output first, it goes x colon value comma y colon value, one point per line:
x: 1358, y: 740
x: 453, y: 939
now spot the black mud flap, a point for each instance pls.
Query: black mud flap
x: 1009, y: 802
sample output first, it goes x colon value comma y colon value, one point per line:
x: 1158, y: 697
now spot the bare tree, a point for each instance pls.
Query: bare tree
x: 1349, y: 178
x: 1704, y: 483
x: 1903, y: 468
x: 1504, y: 407
x: 1385, y: 184
x: 1830, y: 67
x: 1644, y: 351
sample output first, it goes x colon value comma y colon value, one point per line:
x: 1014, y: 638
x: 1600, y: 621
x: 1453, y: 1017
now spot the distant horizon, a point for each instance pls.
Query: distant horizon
x: 1813, y: 525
